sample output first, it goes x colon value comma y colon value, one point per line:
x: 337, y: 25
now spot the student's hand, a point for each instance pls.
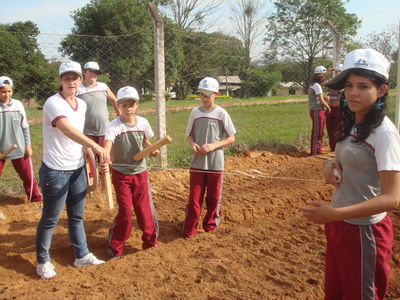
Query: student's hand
x: 328, y: 109
x: 28, y: 151
x: 155, y: 153
x: 102, y: 154
x: 207, y: 148
x: 104, y: 168
x: 196, y: 148
x: 320, y: 213
x: 331, y: 176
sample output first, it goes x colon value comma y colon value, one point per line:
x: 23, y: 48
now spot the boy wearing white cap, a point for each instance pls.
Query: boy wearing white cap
x: 317, y: 105
x: 125, y: 136
x: 95, y: 94
x: 14, y: 130
x: 62, y: 174
x: 209, y: 129
x: 358, y: 230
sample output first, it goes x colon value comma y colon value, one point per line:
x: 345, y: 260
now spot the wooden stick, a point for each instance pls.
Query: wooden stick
x: 243, y: 173
x: 92, y: 183
x: 107, y: 187
x: 256, y: 171
x: 153, y: 147
x: 4, y: 154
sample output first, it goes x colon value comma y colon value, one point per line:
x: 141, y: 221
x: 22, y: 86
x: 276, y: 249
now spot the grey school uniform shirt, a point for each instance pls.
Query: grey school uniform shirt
x: 96, y: 118
x: 127, y: 141
x: 12, y: 124
x: 206, y: 127
x: 361, y: 164
x: 313, y: 91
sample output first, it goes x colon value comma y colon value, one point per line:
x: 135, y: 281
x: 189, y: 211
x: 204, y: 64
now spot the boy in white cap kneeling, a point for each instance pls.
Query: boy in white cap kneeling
x: 209, y: 129
x: 125, y: 136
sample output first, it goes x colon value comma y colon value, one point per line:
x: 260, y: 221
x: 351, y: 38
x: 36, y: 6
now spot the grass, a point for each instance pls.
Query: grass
x: 283, y: 126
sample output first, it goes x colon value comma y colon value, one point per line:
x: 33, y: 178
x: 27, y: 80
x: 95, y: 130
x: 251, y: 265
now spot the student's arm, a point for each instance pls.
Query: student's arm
x: 195, y: 147
x: 113, y: 100
x: 220, y: 144
x: 74, y: 134
x: 388, y: 199
x: 107, y: 148
x: 147, y: 143
x: 27, y: 139
x: 321, y: 99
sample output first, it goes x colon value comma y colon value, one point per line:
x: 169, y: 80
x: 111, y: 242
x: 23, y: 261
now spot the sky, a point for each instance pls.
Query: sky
x: 53, y: 16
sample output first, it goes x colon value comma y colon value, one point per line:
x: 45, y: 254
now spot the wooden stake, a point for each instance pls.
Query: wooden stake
x: 243, y: 173
x: 153, y: 147
x: 107, y: 187
x: 4, y: 154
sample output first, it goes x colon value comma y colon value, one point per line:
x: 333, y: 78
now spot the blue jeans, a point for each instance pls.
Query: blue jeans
x: 60, y: 188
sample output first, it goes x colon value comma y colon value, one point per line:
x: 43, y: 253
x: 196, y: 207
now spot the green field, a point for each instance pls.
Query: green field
x: 284, y: 126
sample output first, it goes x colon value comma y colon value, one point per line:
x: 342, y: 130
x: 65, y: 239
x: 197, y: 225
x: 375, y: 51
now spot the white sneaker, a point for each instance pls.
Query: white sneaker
x: 45, y: 270
x: 89, y: 259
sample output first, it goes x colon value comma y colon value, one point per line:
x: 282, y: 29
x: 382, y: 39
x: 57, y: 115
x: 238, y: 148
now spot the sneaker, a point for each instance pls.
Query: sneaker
x: 45, y: 270
x: 111, y: 255
x: 89, y: 259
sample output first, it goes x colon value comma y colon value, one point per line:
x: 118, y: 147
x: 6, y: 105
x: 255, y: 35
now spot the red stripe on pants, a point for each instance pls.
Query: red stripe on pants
x: 347, y: 260
x: 317, y: 131
x: 23, y: 167
x: 202, y: 181
x: 333, y: 120
x: 132, y: 191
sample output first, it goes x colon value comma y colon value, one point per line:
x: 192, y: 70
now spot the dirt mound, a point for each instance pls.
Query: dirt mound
x: 264, y: 248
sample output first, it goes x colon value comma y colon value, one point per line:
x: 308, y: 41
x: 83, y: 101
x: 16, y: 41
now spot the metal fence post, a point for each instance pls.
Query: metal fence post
x: 336, y: 44
x: 159, y: 78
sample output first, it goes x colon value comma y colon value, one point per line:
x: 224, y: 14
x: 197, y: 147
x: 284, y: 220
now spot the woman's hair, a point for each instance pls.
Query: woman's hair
x: 374, y: 116
x: 318, y: 78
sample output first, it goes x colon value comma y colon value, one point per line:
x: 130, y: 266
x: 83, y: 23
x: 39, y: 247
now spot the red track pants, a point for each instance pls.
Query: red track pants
x: 25, y: 171
x: 133, y: 191
x: 333, y: 120
x: 317, y: 131
x: 200, y: 180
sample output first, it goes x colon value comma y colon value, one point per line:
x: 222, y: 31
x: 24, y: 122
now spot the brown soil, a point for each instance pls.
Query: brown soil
x: 264, y: 248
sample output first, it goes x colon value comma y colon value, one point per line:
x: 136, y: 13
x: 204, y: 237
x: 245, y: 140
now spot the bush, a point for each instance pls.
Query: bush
x: 146, y: 97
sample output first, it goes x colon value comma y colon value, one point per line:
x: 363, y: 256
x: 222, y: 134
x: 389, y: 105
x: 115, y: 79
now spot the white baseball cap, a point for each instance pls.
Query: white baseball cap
x: 127, y: 93
x: 368, y: 59
x: 70, y: 66
x: 4, y: 80
x: 339, y: 67
x: 208, y: 86
x: 320, y: 70
x: 92, y: 65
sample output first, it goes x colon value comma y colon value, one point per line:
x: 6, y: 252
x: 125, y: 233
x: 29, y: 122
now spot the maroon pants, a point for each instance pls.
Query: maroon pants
x: 23, y: 166
x: 99, y: 140
x: 200, y: 180
x: 133, y: 191
x: 333, y: 120
x: 357, y: 260
x: 317, y: 131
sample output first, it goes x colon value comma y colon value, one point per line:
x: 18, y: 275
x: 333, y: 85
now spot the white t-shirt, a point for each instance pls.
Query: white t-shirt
x: 59, y: 151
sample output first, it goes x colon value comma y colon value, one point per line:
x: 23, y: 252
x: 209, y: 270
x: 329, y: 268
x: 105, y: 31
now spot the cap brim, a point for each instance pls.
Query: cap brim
x: 70, y: 71
x: 126, y: 99
x: 96, y: 71
x: 338, y: 82
x: 205, y: 92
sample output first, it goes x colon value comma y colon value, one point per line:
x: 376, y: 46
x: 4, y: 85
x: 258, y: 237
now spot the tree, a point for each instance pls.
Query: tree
x: 247, y: 19
x: 187, y: 13
x: 22, y: 60
x: 260, y: 81
x: 207, y: 54
x: 297, y: 30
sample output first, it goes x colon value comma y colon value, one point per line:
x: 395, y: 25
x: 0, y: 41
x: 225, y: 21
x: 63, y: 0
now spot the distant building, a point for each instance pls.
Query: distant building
x: 289, y: 88
x: 229, y: 84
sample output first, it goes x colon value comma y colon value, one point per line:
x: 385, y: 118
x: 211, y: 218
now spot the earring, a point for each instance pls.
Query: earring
x: 378, y: 105
x: 344, y: 103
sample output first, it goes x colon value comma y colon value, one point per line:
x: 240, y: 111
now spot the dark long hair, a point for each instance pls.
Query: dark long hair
x: 374, y: 116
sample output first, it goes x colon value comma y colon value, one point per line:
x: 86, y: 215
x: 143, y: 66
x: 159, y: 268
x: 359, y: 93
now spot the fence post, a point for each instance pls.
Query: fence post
x: 336, y: 44
x: 397, y: 120
x: 159, y: 78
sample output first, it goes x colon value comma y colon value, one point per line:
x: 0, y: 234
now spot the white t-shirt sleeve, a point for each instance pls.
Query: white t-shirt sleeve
x: 387, y: 151
x: 317, y: 88
x: 229, y: 128
x: 148, y: 132
x: 190, y: 123
x: 111, y: 130
x: 54, y: 111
